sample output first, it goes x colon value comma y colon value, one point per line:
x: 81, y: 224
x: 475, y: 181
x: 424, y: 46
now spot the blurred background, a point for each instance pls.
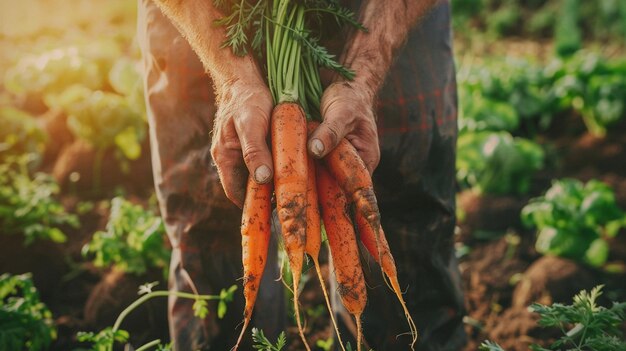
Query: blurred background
x: 541, y: 170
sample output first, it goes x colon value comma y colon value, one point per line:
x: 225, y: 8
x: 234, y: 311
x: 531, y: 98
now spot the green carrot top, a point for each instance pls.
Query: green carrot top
x: 292, y: 54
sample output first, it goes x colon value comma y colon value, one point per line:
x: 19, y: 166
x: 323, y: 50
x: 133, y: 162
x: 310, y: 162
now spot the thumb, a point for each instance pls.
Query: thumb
x: 252, y: 132
x: 328, y: 134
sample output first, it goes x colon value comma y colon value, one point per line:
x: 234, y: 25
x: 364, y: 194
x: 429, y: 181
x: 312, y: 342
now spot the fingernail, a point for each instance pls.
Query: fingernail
x: 317, y: 147
x: 262, y: 174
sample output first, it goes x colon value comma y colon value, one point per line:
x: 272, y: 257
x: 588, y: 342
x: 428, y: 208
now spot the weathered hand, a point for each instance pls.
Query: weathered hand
x: 239, y: 136
x: 348, y: 111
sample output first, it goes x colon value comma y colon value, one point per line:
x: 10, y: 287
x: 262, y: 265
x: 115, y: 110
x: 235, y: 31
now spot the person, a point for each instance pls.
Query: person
x: 400, y: 114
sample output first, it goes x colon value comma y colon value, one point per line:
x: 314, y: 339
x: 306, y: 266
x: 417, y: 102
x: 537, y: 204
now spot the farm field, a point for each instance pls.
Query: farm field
x: 541, y: 180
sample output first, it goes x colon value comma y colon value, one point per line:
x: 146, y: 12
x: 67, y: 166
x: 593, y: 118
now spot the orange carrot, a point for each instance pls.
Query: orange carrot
x: 314, y: 232
x: 343, y: 246
x: 382, y: 255
x: 345, y: 164
x: 289, y: 134
x: 255, y: 238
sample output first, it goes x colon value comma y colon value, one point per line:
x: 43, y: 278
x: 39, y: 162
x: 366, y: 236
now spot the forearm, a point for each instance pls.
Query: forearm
x: 195, y: 20
x: 370, y: 54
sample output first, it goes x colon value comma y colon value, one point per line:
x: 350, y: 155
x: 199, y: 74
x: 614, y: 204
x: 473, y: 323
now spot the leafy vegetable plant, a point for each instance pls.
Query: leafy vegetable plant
x: 106, y: 339
x: 520, y: 96
x: 28, y: 206
x: 574, y: 220
x: 106, y: 119
x: 134, y: 240
x: 595, y: 20
x: 52, y: 72
x: 567, y: 33
x: 591, y: 85
x: 19, y: 134
x: 504, y: 95
x: 497, y: 163
x: 585, y: 325
x: 25, y: 322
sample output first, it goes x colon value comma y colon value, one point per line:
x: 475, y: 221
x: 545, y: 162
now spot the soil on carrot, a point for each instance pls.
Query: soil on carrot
x: 502, y: 273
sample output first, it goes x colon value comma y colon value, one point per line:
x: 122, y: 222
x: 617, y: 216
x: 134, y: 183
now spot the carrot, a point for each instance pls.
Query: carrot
x: 343, y: 246
x: 345, y: 164
x: 314, y: 231
x: 255, y: 238
x: 381, y: 253
x: 289, y: 132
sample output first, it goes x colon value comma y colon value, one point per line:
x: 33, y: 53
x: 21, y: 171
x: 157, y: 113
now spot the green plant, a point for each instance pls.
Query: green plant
x: 325, y: 345
x: 464, y: 10
x: 106, y: 339
x: 19, y: 134
x: 489, y: 345
x: 504, y: 95
x: 52, y: 72
x: 28, y: 206
x: 567, y: 33
x: 575, y: 220
x: 105, y: 119
x: 504, y: 19
x: 497, y: 163
x: 25, y: 322
x: 262, y: 343
x: 602, y: 21
x: 590, y: 85
x: 584, y: 324
x: 134, y: 240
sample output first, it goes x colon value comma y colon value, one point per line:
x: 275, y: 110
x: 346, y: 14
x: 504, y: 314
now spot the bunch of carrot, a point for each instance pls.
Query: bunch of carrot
x: 303, y: 186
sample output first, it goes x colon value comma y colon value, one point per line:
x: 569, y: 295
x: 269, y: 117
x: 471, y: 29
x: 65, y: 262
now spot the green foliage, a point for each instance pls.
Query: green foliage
x: 25, y: 322
x: 504, y: 95
x: 241, y: 18
x: 325, y: 345
x: 78, y: 80
x: 464, y: 10
x: 125, y: 79
x: 585, y: 324
x: 574, y: 220
x: 134, y: 240
x: 28, y: 206
x: 489, y: 345
x: 105, y: 119
x: 592, y: 86
x: 52, y: 72
x: 287, y: 36
x: 565, y: 21
x: 19, y: 134
x: 521, y: 97
x: 497, y: 163
x: 262, y: 343
x: 106, y: 339
x: 567, y: 33
x: 225, y: 297
x: 503, y: 20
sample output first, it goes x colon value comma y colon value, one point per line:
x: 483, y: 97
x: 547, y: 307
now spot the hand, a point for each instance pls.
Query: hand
x: 348, y: 111
x: 239, y: 136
